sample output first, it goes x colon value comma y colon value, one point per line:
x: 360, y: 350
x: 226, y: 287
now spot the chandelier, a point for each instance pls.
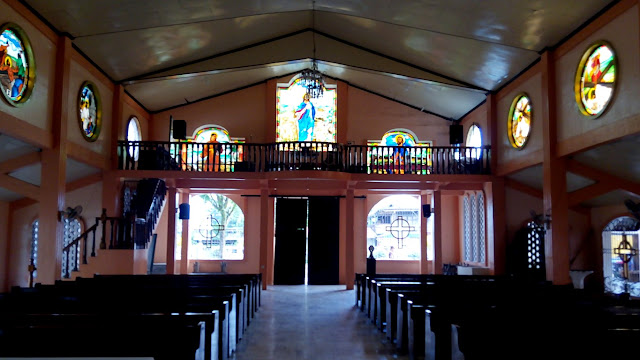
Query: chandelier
x: 312, y: 80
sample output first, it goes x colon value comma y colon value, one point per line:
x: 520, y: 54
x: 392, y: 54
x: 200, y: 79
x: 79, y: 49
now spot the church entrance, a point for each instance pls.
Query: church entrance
x: 307, y: 241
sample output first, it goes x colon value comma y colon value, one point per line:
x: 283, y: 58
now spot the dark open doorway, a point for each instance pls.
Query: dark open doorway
x: 307, y: 241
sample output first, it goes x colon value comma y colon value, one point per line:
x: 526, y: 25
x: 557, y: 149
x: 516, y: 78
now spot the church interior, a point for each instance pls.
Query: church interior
x: 457, y: 145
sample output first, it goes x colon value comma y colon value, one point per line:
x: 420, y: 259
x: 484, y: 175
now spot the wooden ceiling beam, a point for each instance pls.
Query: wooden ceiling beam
x: 20, y: 162
x: 589, y: 192
x: 602, y: 177
x: 529, y: 190
x: 21, y: 187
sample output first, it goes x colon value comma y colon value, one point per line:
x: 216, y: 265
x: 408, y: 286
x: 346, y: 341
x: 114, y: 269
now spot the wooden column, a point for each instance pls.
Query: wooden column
x: 171, y: 230
x: 425, y: 198
x: 54, y: 162
x: 111, y: 185
x: 265, y: 269
x: 349, y: 248
x: 436, y: 206
x: 496, y: 225
x: 554, y: 190
x: 184, y: 249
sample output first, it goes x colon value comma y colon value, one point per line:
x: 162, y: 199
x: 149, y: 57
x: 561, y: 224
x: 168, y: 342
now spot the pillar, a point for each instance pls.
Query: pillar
x: 554, y: 191
x: 436, y: 206
x: 171, y: 230
x: 54, y: 161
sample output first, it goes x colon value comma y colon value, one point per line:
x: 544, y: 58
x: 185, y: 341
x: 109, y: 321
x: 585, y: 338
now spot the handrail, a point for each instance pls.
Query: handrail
x: 304, y: 155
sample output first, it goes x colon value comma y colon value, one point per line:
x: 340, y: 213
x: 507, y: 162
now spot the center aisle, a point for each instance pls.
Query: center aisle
x: 312, y: 323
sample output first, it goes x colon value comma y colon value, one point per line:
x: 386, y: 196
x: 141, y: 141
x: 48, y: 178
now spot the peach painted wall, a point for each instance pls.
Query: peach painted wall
x: 370, y: 116
x: 623, y: 35
x: 518, y: 210
x: 160, y: 256
x: 4, y: 244
x: 20, y: 245
x: 478, y: 117
x: 39, y: 108
x: 79, y: 75
x: 242, y: 113
x: 450, y: 229
x: 533, y: 87
x: 582, y: 248
x: 361, y: 210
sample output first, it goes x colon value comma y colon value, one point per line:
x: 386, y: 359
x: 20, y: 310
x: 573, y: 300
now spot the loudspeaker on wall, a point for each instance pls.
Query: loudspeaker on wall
x: 426, y: 210
x: 179, y: 129
x: 184, y: 211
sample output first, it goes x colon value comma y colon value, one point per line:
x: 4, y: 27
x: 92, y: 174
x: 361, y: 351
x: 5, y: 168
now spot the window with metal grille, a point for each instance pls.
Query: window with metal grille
x: 72, y: 230
x: 474, y: 236
x: 34, y: 246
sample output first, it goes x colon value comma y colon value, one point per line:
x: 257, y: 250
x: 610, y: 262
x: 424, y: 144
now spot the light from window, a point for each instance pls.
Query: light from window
x: 595, y: 79
x: 474, y: 237
x: 393, y: 228
x: 34, y: 246
x: 474, y: 139
x: 134, y: 134
x: 216, y: 228
x: 72, y: 230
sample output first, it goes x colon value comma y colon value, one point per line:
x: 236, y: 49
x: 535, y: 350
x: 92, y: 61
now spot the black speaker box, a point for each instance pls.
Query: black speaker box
x: 184, y: 211
x: 426, y: 210
x: 455, y: 134
x: 179, y: 129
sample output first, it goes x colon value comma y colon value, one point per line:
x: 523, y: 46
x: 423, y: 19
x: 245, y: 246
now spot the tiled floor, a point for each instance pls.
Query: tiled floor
x: 312, y: 323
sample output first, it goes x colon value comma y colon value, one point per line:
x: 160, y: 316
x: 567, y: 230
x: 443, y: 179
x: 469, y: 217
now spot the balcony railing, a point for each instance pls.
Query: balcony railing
x: 287, y: 156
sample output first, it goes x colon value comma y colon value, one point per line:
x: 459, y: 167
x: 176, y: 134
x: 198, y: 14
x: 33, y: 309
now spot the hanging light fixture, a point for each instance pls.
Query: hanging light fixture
x: 312, y: 79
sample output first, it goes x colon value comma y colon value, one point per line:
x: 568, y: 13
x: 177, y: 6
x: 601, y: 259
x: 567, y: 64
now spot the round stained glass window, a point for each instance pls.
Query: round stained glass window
x: 89, y: 111
x: 519, y: 123
x: 17, y: 67
x: 595, y: 79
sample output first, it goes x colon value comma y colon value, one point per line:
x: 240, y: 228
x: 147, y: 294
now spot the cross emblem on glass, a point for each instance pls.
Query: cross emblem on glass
x: 209, y: 229
x: 400, y: 229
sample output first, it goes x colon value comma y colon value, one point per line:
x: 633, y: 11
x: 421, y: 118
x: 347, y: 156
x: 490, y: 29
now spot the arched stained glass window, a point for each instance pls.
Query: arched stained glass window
x: 393, y: 228
x: 89, y: 111
x: 595, y: 79
x: 216, y: 228
x: 519, y: 122
x: 474, y: 139
x: 17, y: 66
x: 300, y: 118
x: 134, y: 134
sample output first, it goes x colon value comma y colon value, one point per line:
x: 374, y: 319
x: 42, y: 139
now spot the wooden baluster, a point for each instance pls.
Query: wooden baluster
x: 112, y: 243
x: 77, y: 258
x: 67, y: 274
x: 103, y: 219
x: 84, y: 249
x: 93, y: 246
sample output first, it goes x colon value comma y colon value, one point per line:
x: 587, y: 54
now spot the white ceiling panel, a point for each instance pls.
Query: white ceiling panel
x: 524, y: 24
x: 10, y: 148
x: 531, y: 176
x: 485, y: 65
x: 77, y: 170
x: 8, y: 196
x: 85, y: 18
x: 30, y: 174
x: 621, y: 158
x: 160, y: 94
x: 128, y: 54
x: 616, y: 197
x: 576, y: 182
x: 448, y: 101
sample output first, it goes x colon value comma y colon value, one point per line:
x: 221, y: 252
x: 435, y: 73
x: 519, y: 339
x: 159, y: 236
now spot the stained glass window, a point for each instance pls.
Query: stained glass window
x: 474, y: 139
x: 595, y: 79
x: 519, y: 124
x: 393, y: 228
x: 17, y: 70
x: 134, y: 134
x: 209, y: 158
x: 384, y: 156
x: 89, y: 111
x: 216, y: 228
x: 299, y: 118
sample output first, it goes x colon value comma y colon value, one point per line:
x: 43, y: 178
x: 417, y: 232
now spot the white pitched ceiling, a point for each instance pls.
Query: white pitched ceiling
x: 478, y: 45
